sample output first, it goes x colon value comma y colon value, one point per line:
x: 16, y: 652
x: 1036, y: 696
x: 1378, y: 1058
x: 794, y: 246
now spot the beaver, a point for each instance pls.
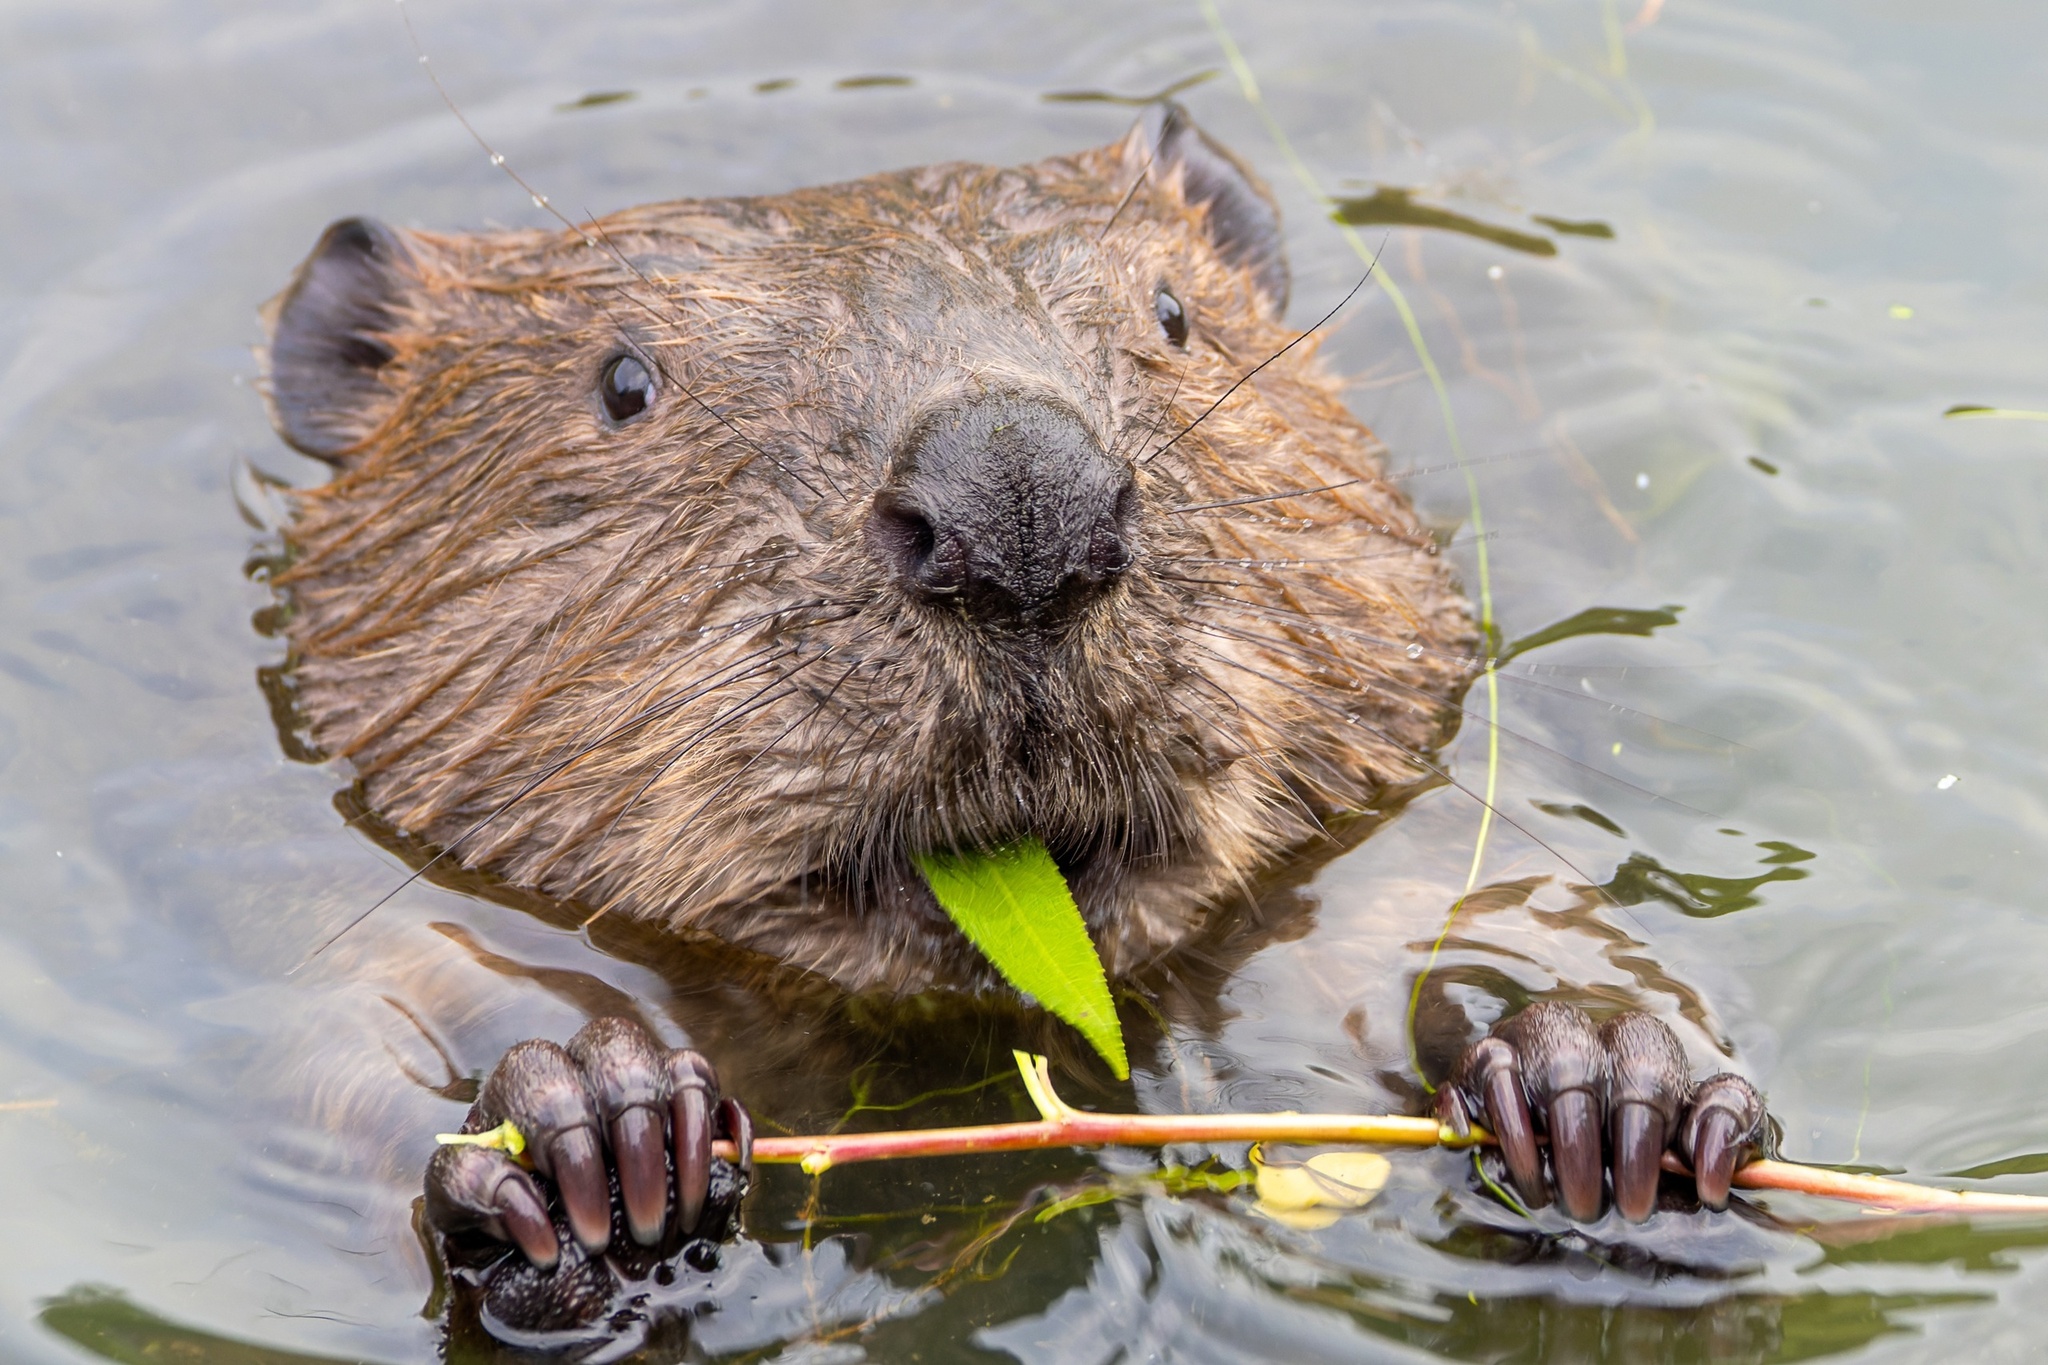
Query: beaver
x: 704, y: 564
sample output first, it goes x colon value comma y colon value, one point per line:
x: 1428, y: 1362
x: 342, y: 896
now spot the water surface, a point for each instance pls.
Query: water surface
x: 1701, y: 281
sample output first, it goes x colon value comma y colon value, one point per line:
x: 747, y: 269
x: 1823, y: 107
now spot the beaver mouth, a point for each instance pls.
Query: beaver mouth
x: 892, y: 884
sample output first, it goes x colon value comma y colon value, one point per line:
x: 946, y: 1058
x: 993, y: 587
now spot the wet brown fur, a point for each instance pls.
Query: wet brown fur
x: 654, y: 669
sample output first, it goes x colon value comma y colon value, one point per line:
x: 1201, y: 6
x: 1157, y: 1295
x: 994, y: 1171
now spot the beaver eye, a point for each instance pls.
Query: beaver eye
x: 1173, y: 320
x: 627, y: 388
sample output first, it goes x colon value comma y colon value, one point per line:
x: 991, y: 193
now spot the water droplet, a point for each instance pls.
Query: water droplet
x: 540, y: 201
x: 1642, y: 480
x: 1616, y: 750
x: 1946, y: 782
x: 1494, y: 272
x: 497, y: 158
x: 1415, y: 651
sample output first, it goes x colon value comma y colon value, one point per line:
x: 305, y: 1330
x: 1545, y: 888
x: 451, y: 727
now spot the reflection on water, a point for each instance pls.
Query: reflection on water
x: 1701, y: 281
x: 1173, y: 1281
x: 105, y: 1323
x: 1642, y: 878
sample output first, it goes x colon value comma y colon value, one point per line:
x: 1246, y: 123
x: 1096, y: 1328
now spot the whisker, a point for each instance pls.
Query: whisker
x: 1416, y: 757
x: 1264, y: 497
x: 1607, y: 670
x: 650, y: 714
x: 685, y: 658
x: 745, y: 707
x: 584, y: 231
x: 1323, y: 621
x: 1282, y: 783
x: 1124, y: 202
x: 1324, y: 320
x: 874, y: 731
x: 463, y: 755
x: 1261, y: 564
x: 1585, y: 699
x: 721, y: 722
x: 1458, y: 468
x: 1422, y: 700
x: 1322, y: 624
x: 411, y: 594
x: 760, y: 753
x: 706, y: 732
x: 668, y: 375
x: 1159, y: 418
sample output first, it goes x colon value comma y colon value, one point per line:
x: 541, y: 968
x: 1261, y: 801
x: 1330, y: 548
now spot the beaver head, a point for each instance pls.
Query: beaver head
x: 707, y: 562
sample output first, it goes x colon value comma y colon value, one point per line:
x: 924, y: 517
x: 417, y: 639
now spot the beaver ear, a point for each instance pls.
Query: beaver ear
x: 329, y: 335
x: 1244, y: 222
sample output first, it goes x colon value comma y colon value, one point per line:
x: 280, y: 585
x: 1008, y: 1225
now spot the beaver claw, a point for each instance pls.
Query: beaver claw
x: 1620, y: 1092
x: 612, y: 1111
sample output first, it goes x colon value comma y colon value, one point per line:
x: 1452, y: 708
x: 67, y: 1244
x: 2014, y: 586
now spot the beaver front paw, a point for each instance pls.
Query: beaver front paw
x: 619, y: 1136
x: 1623, y: 1087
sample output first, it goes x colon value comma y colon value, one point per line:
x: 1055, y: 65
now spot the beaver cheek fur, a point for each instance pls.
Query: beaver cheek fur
x: 905, y: 543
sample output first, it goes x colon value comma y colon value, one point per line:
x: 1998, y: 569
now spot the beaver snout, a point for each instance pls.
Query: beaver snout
x: 1008, y: 507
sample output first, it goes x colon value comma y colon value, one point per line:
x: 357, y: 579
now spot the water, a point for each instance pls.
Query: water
x: 1820, y: 793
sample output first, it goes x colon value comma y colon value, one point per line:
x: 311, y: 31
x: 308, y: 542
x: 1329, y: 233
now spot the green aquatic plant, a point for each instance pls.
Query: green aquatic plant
x: 1014, y: 905
x: 1392, y: 205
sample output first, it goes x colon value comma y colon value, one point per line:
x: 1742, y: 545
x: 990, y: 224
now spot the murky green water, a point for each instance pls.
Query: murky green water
x: 1701, y: 281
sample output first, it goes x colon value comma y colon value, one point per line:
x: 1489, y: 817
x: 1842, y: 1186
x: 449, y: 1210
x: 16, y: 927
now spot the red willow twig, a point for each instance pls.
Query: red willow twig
x: 1064, y: 1126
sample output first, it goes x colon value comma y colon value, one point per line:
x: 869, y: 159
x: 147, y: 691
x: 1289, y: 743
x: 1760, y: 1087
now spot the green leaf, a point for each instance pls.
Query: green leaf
x: 1013, y: 904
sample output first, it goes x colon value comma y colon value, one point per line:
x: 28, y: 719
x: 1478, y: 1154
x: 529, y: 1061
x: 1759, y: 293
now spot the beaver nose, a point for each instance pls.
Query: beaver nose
x: 1007, y: 506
